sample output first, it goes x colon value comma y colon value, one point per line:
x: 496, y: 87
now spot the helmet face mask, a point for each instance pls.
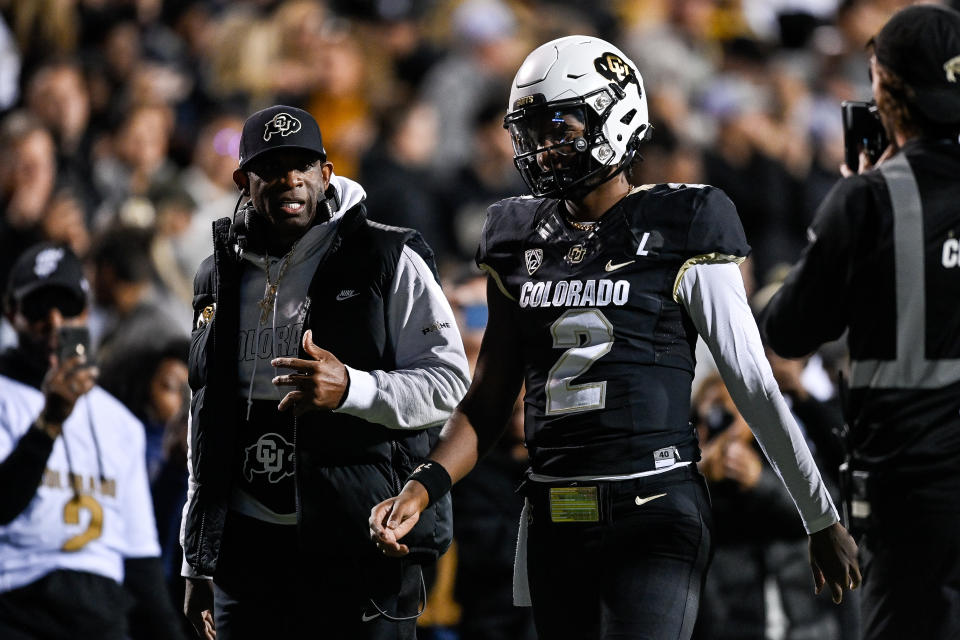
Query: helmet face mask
x: 552, y: 146
x: 578, y: 111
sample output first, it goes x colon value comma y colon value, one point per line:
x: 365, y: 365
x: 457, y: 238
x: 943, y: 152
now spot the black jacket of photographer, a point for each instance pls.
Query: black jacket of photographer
x: 892, y: 280
x: 343, y: 465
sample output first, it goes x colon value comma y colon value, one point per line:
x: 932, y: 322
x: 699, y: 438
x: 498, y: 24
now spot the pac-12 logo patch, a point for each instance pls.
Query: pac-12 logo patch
x: 282, y: 123
x: 271, y: 455
x: 613, y: 67
x: 533, y: 258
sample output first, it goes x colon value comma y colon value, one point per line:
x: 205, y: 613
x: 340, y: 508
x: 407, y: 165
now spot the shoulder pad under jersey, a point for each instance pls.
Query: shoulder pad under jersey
x: 700, y: 217
x: 507, y: 224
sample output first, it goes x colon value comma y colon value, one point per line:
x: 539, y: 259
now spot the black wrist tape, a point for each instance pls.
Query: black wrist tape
x: 434, y: 478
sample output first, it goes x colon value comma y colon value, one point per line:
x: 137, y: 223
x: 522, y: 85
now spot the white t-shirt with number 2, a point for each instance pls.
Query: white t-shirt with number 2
x: 93, y: 506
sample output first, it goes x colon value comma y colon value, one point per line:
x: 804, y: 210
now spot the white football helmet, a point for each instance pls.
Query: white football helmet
x: 577, y: 108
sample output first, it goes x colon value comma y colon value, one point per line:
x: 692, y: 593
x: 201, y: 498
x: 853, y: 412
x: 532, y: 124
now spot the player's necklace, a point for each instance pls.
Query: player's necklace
x: 270, y: 295
x: 582, y: 226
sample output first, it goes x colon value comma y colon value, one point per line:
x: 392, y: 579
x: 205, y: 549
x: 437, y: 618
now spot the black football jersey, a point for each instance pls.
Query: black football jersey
x: 608, y: 351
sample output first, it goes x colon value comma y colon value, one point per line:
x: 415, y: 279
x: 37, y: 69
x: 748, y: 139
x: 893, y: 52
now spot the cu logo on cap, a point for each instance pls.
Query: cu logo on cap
x: 282, y: 123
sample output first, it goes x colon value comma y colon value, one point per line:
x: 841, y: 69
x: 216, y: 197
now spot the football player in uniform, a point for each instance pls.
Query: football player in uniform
x: 597, y: 291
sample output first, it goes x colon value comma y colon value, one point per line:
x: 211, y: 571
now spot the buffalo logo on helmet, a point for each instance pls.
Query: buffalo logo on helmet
x: 613, y: 67
x: 952, y: 67
x: 283, y: 124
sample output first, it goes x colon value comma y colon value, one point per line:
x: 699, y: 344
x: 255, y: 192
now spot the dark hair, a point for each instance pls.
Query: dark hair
x: 895, y: 99
x: 130, y: 383
x: 127, y: 251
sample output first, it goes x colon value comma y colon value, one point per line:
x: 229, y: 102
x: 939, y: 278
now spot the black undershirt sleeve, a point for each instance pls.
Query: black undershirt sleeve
x: 21, y: 473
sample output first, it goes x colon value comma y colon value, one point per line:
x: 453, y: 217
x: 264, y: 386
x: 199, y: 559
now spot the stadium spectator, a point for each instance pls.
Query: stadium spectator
x: 485, y: 49
x: 57, y: 94
x: 137, y: 172
x: 758, y: 582
x: 488, y: 176
x: 395, y: 174
x: 208, y: 181
x: 28, y: 174
x: 77, y: 538
x: 133, y: 311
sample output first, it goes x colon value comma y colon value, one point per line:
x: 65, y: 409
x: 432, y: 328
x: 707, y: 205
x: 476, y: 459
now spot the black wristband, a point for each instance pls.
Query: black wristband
x: 434, y: 479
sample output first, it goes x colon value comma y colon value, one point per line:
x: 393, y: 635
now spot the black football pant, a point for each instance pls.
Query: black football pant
x: 911, y: 575
x: 64, y: 605
x: 264, y: 589
x: 635, y: 574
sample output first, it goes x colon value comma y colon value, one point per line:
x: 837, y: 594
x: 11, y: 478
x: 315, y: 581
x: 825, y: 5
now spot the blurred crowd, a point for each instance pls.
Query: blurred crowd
x: 119, y: 129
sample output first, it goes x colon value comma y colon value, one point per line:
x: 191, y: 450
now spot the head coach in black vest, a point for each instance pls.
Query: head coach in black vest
x: 324, y: 355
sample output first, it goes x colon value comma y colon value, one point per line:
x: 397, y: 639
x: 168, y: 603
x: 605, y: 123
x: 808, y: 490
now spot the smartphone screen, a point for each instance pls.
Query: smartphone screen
x: 74, y: 341
x: 862, y: 130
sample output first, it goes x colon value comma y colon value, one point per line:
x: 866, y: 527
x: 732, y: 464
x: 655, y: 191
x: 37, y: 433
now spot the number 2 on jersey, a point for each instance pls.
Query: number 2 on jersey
x: 597, y: 333
x: 71, y: 515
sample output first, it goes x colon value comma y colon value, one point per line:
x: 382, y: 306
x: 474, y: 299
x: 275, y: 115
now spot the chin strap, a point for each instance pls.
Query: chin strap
x: 580, y: 188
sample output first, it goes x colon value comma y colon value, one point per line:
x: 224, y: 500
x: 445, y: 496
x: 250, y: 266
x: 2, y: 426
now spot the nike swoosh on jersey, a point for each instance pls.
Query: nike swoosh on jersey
x: 613, y: 267
x: 642, y: 501
x: 366, y: 617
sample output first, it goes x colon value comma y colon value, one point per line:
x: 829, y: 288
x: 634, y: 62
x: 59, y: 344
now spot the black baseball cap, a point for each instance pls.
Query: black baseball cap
x: 49, y: 266
x: 921, y: 44
x: 279, y: 127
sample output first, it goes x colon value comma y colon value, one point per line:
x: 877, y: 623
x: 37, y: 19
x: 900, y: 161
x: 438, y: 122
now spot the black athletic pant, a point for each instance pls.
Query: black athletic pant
x: 264, y: 589
x: 65, y: 605
x: 911, y: 574
x: 637, y: 573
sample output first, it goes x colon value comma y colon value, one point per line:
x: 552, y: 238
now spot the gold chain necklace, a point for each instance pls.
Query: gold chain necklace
x: 582, y: 226
x: 270, y: 295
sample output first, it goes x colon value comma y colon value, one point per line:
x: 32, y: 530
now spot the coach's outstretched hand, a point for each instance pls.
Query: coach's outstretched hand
x: 394, y: 518
x: 321, y: 383
x: 833, y: 559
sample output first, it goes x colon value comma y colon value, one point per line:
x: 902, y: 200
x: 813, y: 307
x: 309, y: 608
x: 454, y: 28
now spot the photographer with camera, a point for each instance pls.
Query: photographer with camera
x: 882, y: 265
x: 77, y: 533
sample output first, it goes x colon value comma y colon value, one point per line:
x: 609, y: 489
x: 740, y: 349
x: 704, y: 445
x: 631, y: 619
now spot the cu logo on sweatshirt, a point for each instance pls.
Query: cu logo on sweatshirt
x: 271, y: 455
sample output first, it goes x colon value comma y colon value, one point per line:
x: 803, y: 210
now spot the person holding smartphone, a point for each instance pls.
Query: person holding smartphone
x: 883, y: 265
x: 77, y: 533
